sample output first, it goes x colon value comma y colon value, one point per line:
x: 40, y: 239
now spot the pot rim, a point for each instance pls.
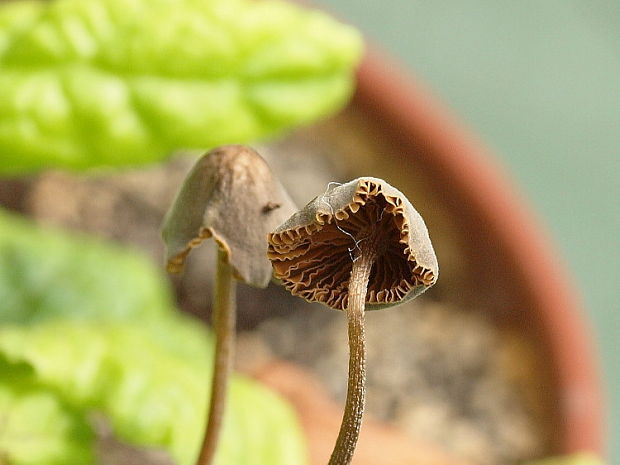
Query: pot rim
x: 411, y: 112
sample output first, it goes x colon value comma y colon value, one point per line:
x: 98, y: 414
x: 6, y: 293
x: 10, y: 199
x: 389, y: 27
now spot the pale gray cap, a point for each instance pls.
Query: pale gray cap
x: 312, y: 251
x: 230, y: 195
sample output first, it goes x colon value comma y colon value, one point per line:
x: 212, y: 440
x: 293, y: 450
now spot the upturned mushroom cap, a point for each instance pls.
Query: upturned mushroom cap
x: 313, y: 251
x: 232, y: 196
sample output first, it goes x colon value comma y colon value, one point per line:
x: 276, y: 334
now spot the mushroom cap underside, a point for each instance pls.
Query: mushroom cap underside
x: 312, y: 253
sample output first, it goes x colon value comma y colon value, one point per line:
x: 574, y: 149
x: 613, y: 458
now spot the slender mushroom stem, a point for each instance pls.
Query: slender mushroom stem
x: 224, y: 323
x: 356, y: 387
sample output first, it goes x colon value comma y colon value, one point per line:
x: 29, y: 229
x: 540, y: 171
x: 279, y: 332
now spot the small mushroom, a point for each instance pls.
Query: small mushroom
x: 232, y: 196
x: 359, y: 246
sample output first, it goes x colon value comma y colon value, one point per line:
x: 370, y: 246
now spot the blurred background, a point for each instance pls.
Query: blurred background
x: 539, y: 82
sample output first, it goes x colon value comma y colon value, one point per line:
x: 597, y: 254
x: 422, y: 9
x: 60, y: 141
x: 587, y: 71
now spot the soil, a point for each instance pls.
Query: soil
x: 440, y: 368
x: 438, y: 372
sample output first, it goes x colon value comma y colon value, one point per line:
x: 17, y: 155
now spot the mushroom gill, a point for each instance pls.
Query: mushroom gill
x: 313, y: 253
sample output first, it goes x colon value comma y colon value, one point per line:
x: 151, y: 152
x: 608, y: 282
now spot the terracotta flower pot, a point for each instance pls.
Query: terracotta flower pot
x: 411, y: 140
x: 506, y: 246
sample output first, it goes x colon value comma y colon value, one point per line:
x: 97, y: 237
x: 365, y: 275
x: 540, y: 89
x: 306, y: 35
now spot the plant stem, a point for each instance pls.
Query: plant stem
x: 356, y: 389
x: 223, y: 320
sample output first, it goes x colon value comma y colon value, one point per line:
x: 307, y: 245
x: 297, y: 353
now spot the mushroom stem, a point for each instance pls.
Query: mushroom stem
x: 356, y: 388
x: 223, y: 320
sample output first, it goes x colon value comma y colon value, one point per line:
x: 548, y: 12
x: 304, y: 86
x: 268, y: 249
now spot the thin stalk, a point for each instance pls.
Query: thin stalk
x: 223, y: 320
x: 356, y: 387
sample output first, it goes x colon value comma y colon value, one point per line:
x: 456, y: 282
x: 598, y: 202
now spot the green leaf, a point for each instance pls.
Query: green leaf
x: 153, y: 395
x: 37, y: 429
x: 15, y: 17
x: 35, y: 426
x: 46, y: 274
x: 86, y: 326
x: 120, y: 82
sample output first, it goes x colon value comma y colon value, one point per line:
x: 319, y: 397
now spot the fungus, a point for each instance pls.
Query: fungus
x: 232, y: 196
x: 359, y: 246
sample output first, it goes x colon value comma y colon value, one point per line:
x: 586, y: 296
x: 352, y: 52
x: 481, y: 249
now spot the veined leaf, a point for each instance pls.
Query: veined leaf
x: 86, y: 326
x: 45, y: 274
x: 38, y: 429
x: 87, y: 83
x: 152, y: 396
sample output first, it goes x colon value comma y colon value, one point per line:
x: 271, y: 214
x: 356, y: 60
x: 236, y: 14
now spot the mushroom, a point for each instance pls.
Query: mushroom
x: 232, y: 196
x: 359, y: 246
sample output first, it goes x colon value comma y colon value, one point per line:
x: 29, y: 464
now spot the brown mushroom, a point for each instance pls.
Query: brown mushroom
x: 232, y: 196
x: 360, y: 245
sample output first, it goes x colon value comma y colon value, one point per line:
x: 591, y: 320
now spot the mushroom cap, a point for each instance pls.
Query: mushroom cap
x: 313, y: 251
x: 230, y: 195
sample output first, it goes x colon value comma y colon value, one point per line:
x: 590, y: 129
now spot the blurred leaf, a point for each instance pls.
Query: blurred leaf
x: 85, y: 326
x: 119, y: 82
x: 36, y: 428
x: 153, y: 396
x: 35, y: 425
x: 47, y: 274
x: 15, y: 17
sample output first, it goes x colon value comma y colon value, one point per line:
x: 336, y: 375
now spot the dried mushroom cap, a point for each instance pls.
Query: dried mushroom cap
x: 313, y: 251
x: 232, y: 196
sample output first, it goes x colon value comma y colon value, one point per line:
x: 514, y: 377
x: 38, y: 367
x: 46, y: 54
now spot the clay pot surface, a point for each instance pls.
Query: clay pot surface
x: 320, y: 420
